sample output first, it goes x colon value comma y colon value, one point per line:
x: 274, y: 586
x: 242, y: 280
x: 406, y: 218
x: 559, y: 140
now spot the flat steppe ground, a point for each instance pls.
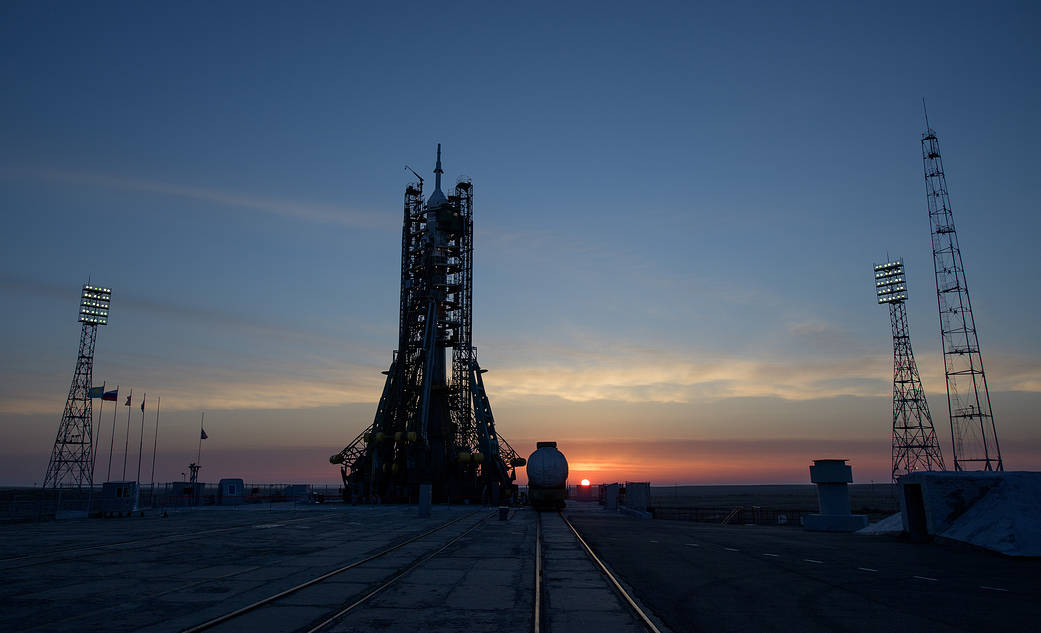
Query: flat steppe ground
x: 864, y: 498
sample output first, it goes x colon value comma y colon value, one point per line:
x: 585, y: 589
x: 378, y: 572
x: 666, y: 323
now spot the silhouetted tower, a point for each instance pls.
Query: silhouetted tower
x: 433, y: 423
x: 915, y: 446
x: 72, y: 459
x: 973, y: 432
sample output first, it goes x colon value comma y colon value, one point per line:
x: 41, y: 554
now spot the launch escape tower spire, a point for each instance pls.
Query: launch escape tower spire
x: 72, y: 458
x: 431, y: 426
x: 915, y: 446
x: 973, y: 432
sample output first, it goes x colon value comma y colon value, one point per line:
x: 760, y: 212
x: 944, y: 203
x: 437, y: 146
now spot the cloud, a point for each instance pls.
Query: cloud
x: 679, y: 381
x: 297, y: 210
x: 588, y: 371
x: 627, y: 374
x: 272, y: 386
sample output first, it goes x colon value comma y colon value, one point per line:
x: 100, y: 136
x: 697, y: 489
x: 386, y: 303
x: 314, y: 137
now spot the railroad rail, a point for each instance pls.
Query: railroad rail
x: 640, y: 613
x: 335, y: 616
x: 56, y: 554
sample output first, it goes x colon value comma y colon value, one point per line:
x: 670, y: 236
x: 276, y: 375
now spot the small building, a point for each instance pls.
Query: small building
x: 297, y: 492
x: 183, y: 493
x: 610, y: 496
x: 230, y: 492
x: 638, y: 495
x: 118, y: 498
x: 585, y: 492
x: 999, y: 511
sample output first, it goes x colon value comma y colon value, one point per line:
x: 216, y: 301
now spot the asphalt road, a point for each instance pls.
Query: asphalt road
x: 705, y: 577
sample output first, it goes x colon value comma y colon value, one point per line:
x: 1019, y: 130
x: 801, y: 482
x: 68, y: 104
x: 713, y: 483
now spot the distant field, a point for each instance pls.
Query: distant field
x: 872, y: 499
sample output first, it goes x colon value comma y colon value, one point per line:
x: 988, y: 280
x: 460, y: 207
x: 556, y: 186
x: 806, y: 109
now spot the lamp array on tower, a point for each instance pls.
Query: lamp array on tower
x: 890, y: 284
x: 94, y: 305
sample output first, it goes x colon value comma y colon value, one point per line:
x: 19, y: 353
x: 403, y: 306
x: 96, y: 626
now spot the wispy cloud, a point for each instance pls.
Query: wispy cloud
x: 626, y: 374
x: 679, y: 381
x: 297, y: 210
x: 193, y: 388
x: 619, y: 374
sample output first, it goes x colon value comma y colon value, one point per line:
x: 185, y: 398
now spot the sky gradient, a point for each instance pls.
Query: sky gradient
x: 676, y: 214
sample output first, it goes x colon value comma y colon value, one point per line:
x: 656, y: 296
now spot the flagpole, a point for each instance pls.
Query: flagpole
x: 94, y: 456
x: 95, y: 439
x: 155, y: 444
x: 112, y: 438
x: 126, y: 444
x: 198, y: 456
x: 140, y: 449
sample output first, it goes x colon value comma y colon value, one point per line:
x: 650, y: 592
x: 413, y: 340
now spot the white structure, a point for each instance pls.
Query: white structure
x: 230, y: 492
x: 996, y: 511
x: 832, y: 477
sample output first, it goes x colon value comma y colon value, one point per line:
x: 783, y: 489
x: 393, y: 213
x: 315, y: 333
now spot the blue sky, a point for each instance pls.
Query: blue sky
x: 677, y: 209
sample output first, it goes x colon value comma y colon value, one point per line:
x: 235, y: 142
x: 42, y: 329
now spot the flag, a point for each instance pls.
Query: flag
x: 110, y: 395
x: 142, y: 404
x: 96, y: 392
x: 202, y: 434
x: 127, y: 403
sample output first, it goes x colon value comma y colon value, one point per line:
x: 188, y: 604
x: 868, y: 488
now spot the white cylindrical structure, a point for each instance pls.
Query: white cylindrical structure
x: 547, y: 467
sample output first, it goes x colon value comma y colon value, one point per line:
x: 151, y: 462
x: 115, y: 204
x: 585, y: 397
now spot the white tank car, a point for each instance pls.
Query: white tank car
x: 547, y: 477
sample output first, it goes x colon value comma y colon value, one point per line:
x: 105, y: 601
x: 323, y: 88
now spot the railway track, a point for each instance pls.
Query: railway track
x: 539, y: 619
x: 41, y: 558
x: 335, y: 615
x: 116, y: 606
x: 348, y: 593
x: 642, y: 615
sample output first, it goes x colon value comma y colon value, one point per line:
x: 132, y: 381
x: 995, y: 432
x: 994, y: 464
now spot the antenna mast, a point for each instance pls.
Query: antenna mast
x: 973, y: 433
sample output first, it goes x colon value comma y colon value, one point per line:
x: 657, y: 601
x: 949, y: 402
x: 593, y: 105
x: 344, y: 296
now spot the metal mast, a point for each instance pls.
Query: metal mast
x: 433, y: 423
x: 72, y: 458
x: 973, y: 432
x: 915, y: 446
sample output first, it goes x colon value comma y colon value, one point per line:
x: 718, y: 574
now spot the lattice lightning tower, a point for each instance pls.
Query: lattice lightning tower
x: 915, y: 446
x: 72, y: 458
x: 973, y: 432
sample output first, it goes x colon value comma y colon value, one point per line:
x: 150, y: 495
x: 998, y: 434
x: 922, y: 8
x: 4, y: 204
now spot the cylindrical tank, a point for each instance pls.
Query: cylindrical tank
x: 547, y: 467
x: 547, y: 477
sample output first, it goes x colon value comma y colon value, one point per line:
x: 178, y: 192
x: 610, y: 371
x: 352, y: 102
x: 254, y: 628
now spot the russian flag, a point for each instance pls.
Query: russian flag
x: 110, y: 395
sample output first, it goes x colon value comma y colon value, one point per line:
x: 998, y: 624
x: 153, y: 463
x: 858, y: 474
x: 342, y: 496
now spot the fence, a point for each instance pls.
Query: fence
x: 753, y: 515
x: 35, y: 504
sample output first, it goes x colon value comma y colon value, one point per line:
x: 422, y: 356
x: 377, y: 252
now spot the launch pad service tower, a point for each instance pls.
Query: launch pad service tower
x: 433, y: 424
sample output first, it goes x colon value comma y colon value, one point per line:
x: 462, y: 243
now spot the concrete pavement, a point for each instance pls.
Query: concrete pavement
x: 704, y: 577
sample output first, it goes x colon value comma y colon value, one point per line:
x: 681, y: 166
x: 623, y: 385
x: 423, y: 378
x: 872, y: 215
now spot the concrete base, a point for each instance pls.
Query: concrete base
x: 999, y: 511
x: 425, y: 497
x: 835, y: 522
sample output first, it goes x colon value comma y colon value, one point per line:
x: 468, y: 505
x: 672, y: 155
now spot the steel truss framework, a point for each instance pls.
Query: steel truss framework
x: 973, y: 432
x: 915, y: 445
x: 432, y: 427
x: 72, y: 458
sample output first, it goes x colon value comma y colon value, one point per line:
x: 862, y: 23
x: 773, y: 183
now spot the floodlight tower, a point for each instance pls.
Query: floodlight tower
x: 973, y: 433
x: 915, y: 446
x: 72, y: 458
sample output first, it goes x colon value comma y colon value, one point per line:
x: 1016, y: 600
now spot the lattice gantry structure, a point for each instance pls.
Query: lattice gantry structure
x: 973, y: 432
x: 915, y: 446
x: 433, y: 423
x: 72, y: 458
